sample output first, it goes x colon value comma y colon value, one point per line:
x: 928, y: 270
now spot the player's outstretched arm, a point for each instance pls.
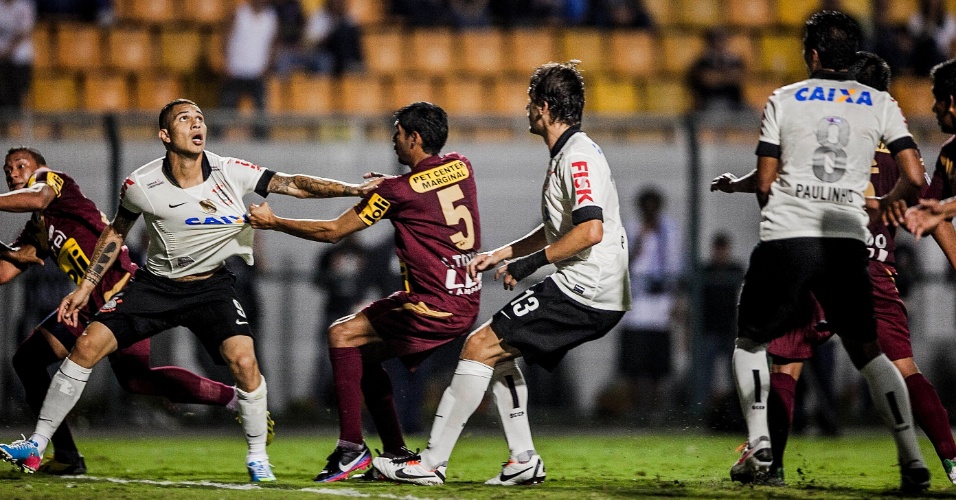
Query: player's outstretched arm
x: 14, y: 260
x: 527, y: 244
x: 764, y: 177
x: 28, y: 199
x: 579, y: 238
x: 928, y: 215
x: 328, y: 231
x: 945, y: 236
x: 730, y: 183
x: 107, y: 250
x: 308, y: 186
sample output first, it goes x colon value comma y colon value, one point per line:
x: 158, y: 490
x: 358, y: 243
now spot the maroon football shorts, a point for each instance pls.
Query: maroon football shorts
x: 892, y: 327
x: 412, y: 329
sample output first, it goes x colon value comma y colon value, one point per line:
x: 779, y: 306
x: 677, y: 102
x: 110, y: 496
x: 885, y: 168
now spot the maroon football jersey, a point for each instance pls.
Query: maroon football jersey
x: 67, y: 230
x: 882, y: 238
x: 943, y: 184
x: 434, y: 209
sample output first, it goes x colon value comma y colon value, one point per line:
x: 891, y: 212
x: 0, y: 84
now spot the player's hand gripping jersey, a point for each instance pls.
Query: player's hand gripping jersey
x: 434, y: 209
x: 67, y: 231
x: 197, y: 228
x: 828, y: 127
x: 578, y: 188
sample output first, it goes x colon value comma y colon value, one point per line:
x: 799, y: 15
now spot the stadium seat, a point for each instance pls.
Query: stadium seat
x: 758, y: 90
x: 749, y: 13
x: 914, y: 95
x: 130, y: 49
x: 367, y: 12
x: 742, y: 45
x: 632, y: 53
x: 78, y: 46
x: 153, y: 91
x: 901, y: 10
x: 667, y: 96
x: 781, y: 55
x: 311, y: 94
x: 793, y: 13
x: 585, y: 45
x: 361, y: 94
x: 613, y: 96
x: 661, y: 11
x: 150, y: 11
x: 105, y: 92
x: 214, y: 56
x: 410, y: 88
x: 181, y: 50
x: 207, y: 12
x: 383, y: 51
x: 510, y: 95
x: 528, y: 48
x: 278, y: 98
x: 482, y: 51
x: 44, y: 49
x: 679, y: 50
x: 698, y: 13
x: 433, y: 49
x: 54, y: 91
x: 462, y: 95
x: 861, y: 10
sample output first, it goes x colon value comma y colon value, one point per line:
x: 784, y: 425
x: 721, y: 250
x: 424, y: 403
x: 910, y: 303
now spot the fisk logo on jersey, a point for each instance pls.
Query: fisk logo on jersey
x: 374, y: 210
x: 582, y: 183
x: 215, y: 221
x: 833, y: 94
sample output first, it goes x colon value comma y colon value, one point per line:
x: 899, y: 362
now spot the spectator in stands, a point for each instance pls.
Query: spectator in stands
x: 100, y: 11
x: 289, y: 39
x: 716, y: 78
x: 933, y: 30
x: 469, y: 14
x: 332, y: 40
x: 630, y: 14
x: 890, y: 41
x: 17, y: 18
x: 249, y: 50
x: 422, y: 13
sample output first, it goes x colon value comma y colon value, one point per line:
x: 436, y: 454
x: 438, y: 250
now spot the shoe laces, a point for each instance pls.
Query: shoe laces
x: 20, y: 443
x: 408, y: 459
x: 260, y: 467
x: 404, y: 452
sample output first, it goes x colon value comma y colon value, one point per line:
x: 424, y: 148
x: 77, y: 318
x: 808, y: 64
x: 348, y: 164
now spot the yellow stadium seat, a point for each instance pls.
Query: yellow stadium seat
x: 130, y: 50
x: 757, y: 91
x: 794, y: 13
x: 384, y: 52
x: 527, y: 49
x: 667, y: 96
x: 153, y: 91
x: 632, y: 53
x: 914, y: 95
x: 662, y: 11
x: 510, y: 95
x: 742, y: 45
x: 482, y: 51
x: 367, y: 12
x: 54, y: 91
x: 105, y: 92
x: 361, y: 94
x: 585, y: 45
x: 152, y: 11
x: 181, y: 50
x: 312, y: 94
x: 464, y: 96
x: 78, y: 46
x: 433, y: 49
x: 44, y: 50
x: 278, y: 99
x: 749, y: 13
x: 861, y: 10
x: 699, y: 13
x: 901, y: 10
x: 781, y: 55
x: 613, y: 96
x: 205, y: 11
x: 409, y: 89
x: 214, y: 55
x: 680, y: 50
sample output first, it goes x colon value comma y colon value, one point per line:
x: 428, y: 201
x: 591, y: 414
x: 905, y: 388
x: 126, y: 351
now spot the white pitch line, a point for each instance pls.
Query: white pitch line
x: 342, y: 492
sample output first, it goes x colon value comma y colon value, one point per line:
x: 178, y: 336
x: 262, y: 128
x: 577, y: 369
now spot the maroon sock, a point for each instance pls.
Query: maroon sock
x: 347, y: 377
x: 780, y: 413
x: 930, y: 415
x: 132, y: 370
x: 377, y: 388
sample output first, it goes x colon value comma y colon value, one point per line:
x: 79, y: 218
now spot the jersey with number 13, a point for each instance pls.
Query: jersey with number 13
x: 824, y: 131
x: 434, y: 209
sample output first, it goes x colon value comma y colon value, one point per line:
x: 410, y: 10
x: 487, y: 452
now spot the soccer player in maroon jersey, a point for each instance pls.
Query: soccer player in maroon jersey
x: 65, y: 227
x: 434, y: 209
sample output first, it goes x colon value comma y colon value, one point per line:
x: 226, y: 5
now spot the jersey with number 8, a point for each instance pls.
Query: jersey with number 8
x: 434, y: 209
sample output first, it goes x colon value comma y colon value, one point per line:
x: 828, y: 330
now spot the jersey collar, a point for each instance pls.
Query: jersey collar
x: 168, y: 169
x: 564, y: 139
x: 829, y: 74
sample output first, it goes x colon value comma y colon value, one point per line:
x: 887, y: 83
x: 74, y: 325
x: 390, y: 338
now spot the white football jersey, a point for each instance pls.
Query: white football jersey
x: 579, y: 184
x: 193, y: 230
x: 824, y: 131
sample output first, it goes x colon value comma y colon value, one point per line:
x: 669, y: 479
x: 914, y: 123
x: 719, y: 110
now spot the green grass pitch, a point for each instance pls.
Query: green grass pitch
x: 580, y: 466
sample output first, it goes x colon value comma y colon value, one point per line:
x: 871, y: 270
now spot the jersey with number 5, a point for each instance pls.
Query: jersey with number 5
x: 823, y: 131
x: 434, y: 209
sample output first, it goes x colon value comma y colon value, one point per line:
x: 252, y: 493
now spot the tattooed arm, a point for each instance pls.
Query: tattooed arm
x: 307, y: 186
x: 107, y: 250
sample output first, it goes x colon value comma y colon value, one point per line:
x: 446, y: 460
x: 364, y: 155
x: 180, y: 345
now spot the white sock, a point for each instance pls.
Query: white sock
x: 65, y: 390
x: 459, y: 401
x: 511, y: 398
x: 892, y: 402
x: 753, y: 387
x: 252, y: 409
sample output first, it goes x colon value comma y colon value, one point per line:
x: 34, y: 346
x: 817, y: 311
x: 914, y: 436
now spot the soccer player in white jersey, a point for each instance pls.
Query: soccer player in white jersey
x: 192, y: 202
x: 816, y: 147
x: 587, y: 295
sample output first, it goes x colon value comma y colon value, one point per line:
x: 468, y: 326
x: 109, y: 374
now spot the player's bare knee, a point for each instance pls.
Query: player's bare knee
x: 906, y: 366
x: 95, y: 344
x: 482, y: 346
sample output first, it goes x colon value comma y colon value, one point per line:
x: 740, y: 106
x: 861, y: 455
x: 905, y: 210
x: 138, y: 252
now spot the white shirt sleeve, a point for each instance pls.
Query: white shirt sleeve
x: 132, y: 197
x: 244, y: 175
x: 770, y: 124
x: 587, y: 179
x: 894, y: 123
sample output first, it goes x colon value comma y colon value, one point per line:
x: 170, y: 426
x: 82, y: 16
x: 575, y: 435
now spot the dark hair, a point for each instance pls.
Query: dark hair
x: 429, y: 120
x: 562, y: 87
x: 870, y: 69
x: 944, y: 79
x: 164, y: 115
x: 835, y: 36
x: 649, y: 195
x: 37, y: 157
